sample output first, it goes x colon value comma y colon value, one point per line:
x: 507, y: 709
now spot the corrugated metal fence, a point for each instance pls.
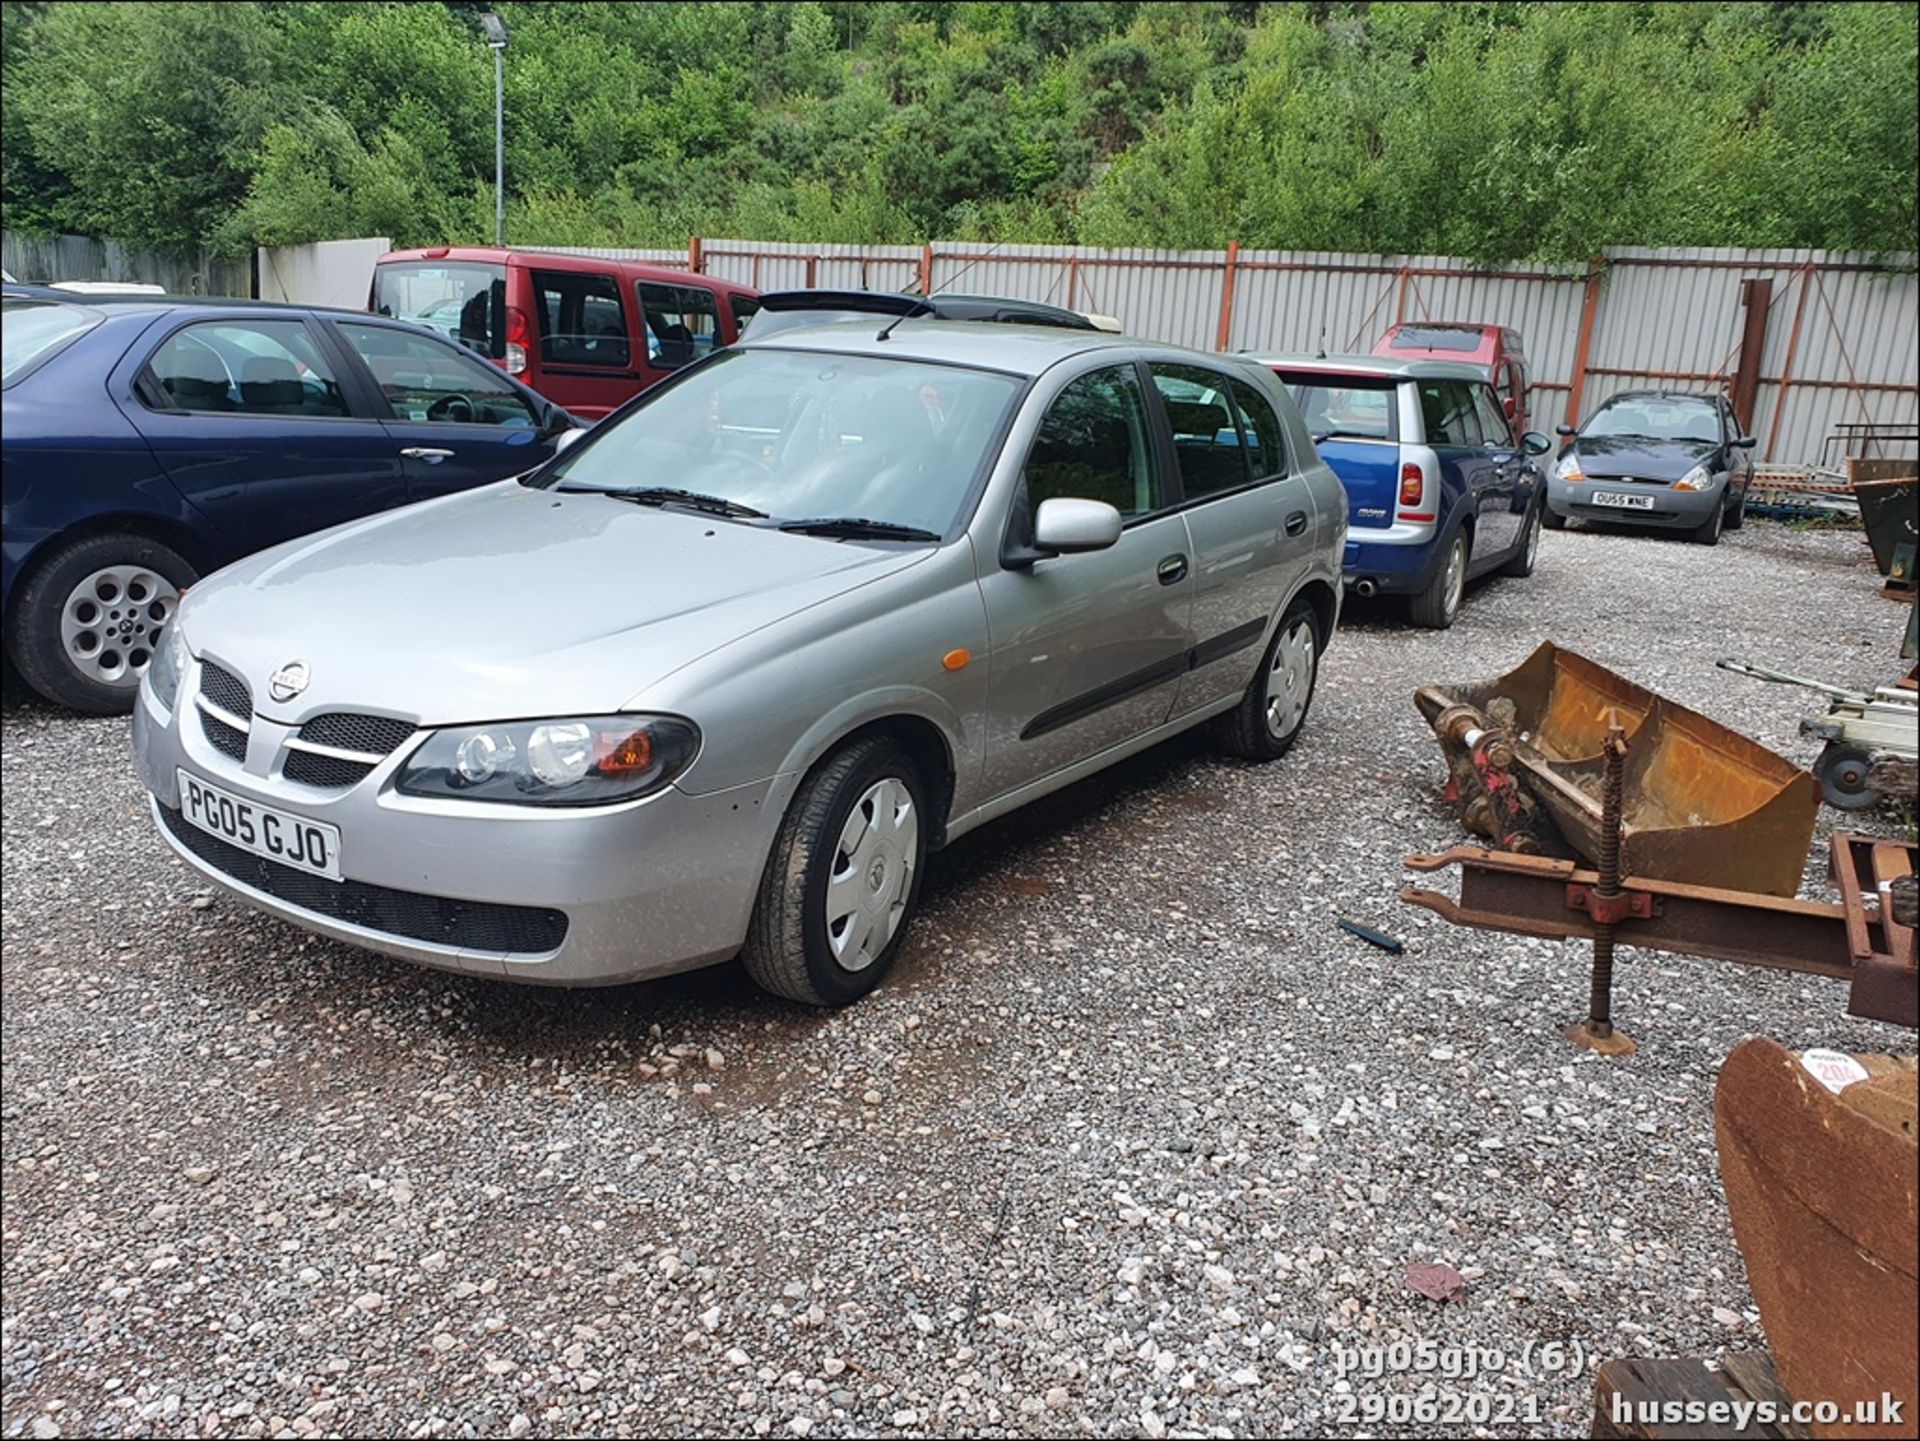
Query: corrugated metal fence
x: 1818, y: 346
x: 76, y: 257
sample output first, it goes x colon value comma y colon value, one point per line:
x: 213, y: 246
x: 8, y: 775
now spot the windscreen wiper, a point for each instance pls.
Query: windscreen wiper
x: 667, y: 495
x: 854, y: 527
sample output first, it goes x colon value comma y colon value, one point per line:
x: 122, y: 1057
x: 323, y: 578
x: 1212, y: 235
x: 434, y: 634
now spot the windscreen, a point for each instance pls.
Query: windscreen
x: 805, y: 434
x: 1656, y: 417
x: 33, y: 329
x: 464, y: 300
x: 1345, y: 407
x: 1435, y: 337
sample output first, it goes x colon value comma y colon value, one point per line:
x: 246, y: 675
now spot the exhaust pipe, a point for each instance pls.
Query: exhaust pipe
x: 1364, y: 588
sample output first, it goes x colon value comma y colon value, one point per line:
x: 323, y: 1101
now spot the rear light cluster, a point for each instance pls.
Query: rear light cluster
x: 1413, y: 492
x: 519, y: 337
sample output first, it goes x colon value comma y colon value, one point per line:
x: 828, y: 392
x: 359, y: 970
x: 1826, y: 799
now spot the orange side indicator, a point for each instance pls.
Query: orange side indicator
x: 956, y: 659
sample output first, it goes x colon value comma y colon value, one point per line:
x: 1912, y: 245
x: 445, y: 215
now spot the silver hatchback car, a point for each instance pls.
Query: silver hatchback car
x: 717, y: 678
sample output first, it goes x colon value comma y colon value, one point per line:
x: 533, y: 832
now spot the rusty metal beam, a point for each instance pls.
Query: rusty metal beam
x: 1556, y: 899
x: 1755, y: 295
x: 1226, y: 297
x: 1589, y: 303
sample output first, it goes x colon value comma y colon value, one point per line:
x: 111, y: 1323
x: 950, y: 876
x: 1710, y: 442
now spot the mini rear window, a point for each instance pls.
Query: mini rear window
x: 1346, y: 407
x: 1436, y: 337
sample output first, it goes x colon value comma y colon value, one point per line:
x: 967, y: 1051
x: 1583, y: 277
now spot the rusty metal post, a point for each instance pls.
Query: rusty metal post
x: 1755, y: 296
x: 926, y: 268
x: 1225, y: 330
x: 1597, y: 1032
x: 1584, y: 342
x: 696, y: 258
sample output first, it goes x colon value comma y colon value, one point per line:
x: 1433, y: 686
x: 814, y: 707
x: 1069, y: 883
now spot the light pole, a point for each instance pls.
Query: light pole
x: 497, y: 42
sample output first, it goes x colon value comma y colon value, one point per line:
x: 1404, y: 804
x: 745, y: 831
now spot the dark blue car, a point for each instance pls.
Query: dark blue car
x: 152, y: 439
x: 1439, y: 489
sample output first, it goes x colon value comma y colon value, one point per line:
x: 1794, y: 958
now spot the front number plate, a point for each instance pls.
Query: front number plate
x: 1622, y: 502
x: 311, y: 846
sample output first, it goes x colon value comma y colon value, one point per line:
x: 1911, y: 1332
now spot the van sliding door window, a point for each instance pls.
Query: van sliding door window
x: 580, y: 320
x: 682, y: 323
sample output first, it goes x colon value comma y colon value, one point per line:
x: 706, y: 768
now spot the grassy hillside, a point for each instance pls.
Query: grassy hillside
x: 1497, y: 130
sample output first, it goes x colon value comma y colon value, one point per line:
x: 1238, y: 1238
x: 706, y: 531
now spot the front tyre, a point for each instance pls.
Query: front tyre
x: 1264, y: 726
x: 88, y: 620
x: 1708, y: 533
x: 843, y: 879
x: 1551, y: 518
x: 1737, y: 517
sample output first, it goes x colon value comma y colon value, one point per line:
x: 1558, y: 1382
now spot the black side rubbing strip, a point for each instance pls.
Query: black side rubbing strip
x: 1144, y: 679
x: 1226, y: 643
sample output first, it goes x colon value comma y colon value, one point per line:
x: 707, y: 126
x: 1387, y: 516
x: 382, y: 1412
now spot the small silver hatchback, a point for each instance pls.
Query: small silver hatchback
x: 716, y: 679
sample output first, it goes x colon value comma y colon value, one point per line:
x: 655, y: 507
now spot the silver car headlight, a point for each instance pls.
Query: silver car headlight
x: 1567, y: 468
x: 571, y: 761
x: 1699, y: 478
x: 170, y: 661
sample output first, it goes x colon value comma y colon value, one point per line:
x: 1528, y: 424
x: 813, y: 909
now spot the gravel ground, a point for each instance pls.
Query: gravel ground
x: 1132, y: 1143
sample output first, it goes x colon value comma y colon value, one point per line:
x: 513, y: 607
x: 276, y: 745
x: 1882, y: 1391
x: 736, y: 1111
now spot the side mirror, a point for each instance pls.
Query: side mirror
x: 1064, y: 526
x: 1745, y: 442
x: 1563, y: 429
x: 566, y: 438
x: 1534, y: 443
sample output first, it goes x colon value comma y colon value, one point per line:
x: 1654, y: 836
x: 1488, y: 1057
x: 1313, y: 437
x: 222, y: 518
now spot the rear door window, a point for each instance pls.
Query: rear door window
x: 423, y: 380
x: 1262, y: 426
x: 580, y: 319
x: 246, y: 367
x: 1447, y: 408
x: 682, y: 323
x: 1206, y: 436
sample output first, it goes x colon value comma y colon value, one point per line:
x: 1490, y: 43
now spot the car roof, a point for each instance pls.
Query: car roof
x: 1026, y: 350
x: 942, y: 305
x: 123, y: 302
x: 563, y: 260
x: 1382, y: 365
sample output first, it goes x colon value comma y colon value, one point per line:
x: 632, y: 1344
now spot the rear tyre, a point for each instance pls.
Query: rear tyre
x: 1843, y: 772
x: 1264, y: 726
x: 88, y: 620
x: 1437, y: 605
x: 1522, y: 562
x: 843, y: 879
x: 1709, y: 531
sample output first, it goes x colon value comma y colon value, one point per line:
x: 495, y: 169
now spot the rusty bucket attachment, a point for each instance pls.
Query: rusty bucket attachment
x: 1817, y: 1152
x: 1702, y: 804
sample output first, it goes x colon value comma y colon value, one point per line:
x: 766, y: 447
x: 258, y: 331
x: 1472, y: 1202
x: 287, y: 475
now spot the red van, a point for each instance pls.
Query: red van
x: 1496, y: 350
x: 586, y: 332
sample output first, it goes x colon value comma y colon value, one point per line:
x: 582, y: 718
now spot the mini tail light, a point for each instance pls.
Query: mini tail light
x: 1413, y: 486
x: 519, y: 337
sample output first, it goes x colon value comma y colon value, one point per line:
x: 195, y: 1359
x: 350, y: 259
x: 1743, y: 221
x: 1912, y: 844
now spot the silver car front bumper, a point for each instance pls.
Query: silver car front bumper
x: 646, y: 888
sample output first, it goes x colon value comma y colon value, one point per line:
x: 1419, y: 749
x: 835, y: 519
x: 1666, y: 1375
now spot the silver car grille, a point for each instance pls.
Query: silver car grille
x: 339, y: 748
x: 226, y: 710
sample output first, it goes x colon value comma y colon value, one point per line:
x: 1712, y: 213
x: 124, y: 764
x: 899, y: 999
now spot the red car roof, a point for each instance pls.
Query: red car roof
x: 558, y: 260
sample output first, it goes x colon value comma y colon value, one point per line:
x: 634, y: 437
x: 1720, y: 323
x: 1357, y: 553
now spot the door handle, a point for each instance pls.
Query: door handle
x: 1297, y: 523
x: 427, y: 453
x: 1172, y: 570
